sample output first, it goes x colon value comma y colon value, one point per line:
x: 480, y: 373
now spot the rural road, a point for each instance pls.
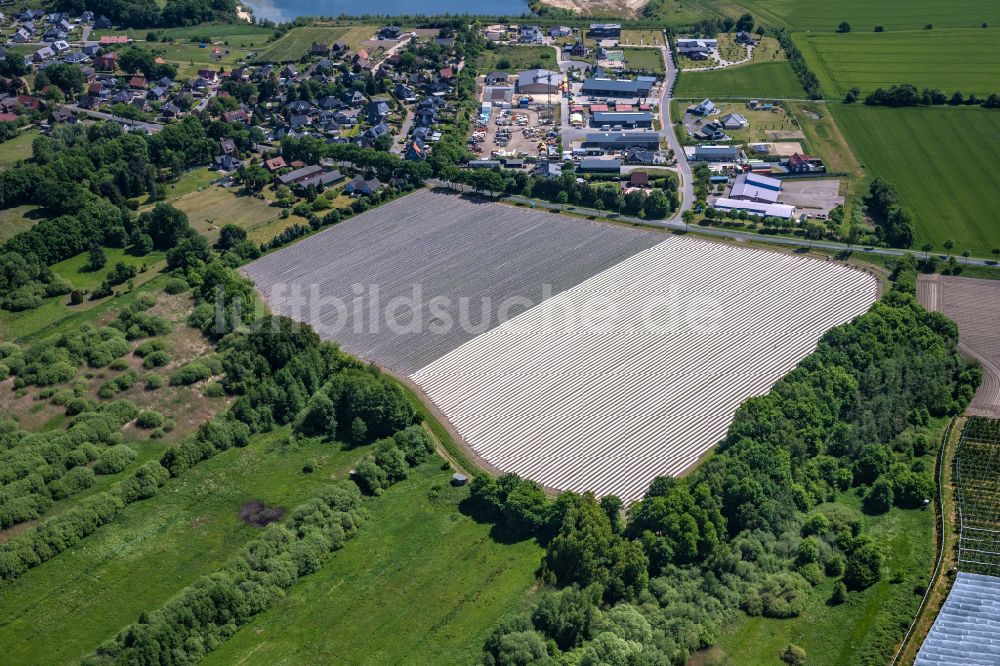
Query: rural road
x: 676, y: 224
x: 667, y: 130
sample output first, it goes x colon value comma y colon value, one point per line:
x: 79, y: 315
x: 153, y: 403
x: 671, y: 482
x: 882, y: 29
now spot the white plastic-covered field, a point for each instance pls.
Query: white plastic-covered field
x: 637, y: 371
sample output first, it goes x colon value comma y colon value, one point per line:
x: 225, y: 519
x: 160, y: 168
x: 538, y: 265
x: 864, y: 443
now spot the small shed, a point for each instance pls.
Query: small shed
x: 458, y: 479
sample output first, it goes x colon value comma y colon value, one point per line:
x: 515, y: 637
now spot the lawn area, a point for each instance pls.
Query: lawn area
x: 15, y: 220
x: 421, y: 583
x: 641, y: 38
x: 681, y: 12
x: 513, y: 58
x: 942, y: 162
x: 864, y: 15
x: 69, y: 605
x: 297, y: 42
x: 967, y: 60
x: 650, y: 60
x: 16, y: 149
x: 211, y: 208
x: 75, y: 269
x: 767, y: 79
x: 867, y: 626
x: 205, y: 31
x: 191, y: 181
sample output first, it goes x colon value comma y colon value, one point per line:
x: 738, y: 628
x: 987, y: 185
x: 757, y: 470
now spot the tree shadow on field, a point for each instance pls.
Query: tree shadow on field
x: 500, y: 532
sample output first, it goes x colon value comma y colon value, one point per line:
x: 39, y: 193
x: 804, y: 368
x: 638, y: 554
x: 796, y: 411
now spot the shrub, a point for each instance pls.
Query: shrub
x: 156, y: 359
x: 149, y: 419
x: 114, y: 459
x: 175, y: 286
x: 150, y: 346
x: 190, y: 373
x: 839, y: 593
x: 118, y: 364
x: 371, y: 478
x: 794, y: 655
x: 783, y: 595
x: 154, y: 381
x: 214, y: 390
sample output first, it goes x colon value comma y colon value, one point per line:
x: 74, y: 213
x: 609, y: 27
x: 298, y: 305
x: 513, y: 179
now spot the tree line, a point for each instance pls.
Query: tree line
x: 149, y: 14
x: 907, y: 94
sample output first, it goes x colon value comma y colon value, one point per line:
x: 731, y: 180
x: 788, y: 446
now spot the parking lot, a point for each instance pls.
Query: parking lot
x: 811, y: 196
x: 515, y: 132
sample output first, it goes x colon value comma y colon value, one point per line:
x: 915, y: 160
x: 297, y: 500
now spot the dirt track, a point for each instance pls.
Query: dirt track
x: 975, y: 306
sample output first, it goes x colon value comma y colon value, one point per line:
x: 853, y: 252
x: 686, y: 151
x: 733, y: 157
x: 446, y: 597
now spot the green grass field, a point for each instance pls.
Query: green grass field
x: 210, y: 208
x: 864, y: 15
x: 513, y: 58
x: 825, y: 140
x: 75, y: 269
x: 421, y: 583
x: 650, y: 60
x: 296, y: 42
x: 941, y: 160
x: 17, y: 149
x: 765, y: 80
x: 15, y: 220
x: 846, y: 634
x: 66, y: 607
x: 641, y: 38
x: 967, y: 60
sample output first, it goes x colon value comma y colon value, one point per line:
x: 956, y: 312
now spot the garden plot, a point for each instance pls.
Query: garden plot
x: 490, y: 261
x: 637, y: 372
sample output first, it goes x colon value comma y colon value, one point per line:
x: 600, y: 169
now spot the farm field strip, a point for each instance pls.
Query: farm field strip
x: 941, y: 161
x: 967, y: 60
x: 636, y: 372
x: 768, y: 80
x: 445, y: 247
x: 975, y: 306
x: 864, y: 15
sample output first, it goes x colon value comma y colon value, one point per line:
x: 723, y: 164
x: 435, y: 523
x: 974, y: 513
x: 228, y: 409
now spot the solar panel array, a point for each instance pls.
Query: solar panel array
x: 967, y: 630
x: 637, y: 372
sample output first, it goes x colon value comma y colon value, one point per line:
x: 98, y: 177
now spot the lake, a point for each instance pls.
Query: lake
x: 286, y: 10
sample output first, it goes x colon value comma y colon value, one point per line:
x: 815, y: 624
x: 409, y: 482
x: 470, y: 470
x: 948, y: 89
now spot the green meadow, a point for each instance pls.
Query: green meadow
x: 864, y: 15
x: 421, y: 583
x: 966, y: 60
x: 942, y: 161
x: 771, y: 80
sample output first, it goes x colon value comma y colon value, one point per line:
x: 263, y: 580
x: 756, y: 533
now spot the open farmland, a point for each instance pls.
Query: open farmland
x: 967, y: 60
x: 460, y: 261
x: 941, y: 161
x: 864, y: 15
x: 975, y: 306
x: 766, y: 79
x: 636, y: 372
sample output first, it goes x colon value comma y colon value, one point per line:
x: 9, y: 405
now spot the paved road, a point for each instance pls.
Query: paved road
x: 676, y: 224
x: 667, y: 129
x: 100, y: 115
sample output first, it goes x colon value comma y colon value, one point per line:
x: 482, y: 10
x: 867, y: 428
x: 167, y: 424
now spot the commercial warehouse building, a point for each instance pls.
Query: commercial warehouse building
x: 629, y: 119
x: 713, y: 153
x: 756, y: 208
x: 639, y: 87
x: 598, y: 165
x: 622, y: 140
x: 539, y: 82
x: 755, y: 187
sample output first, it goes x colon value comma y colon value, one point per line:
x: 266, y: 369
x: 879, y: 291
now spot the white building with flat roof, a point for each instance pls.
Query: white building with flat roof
x: 760, y: 209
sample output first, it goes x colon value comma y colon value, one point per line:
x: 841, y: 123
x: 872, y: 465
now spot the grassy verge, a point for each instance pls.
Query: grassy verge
x: 767, y: 80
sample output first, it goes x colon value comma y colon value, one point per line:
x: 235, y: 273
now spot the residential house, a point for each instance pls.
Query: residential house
x: 558, y: 31
x: 638, y: 179
x: 734, y: 121
x: 170, y: 110
x: 102, y: 23
x: 43, y: 54
x: 549, y: 169
x: 236, y: 116
x: 75, y: 58
x: 497, y: 79
x: 376, y: 111
x: 746, y: 38
x: 111, y: 40
x: 107, y: 62
x: 696, y: 49
x: 388, y: 32
x: 416, y: 152
x: 60, y: 46
x: 227, y: 162
x: 360, y: 185
x: 705, y: 108
x: 157, y: 93
x: 275, y: 163
x: 605, y: 30
x: 318, y: 49
x: 529, y: 34
x: 227, y: 146
x: 61, y: 115
x: 137, y: 82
